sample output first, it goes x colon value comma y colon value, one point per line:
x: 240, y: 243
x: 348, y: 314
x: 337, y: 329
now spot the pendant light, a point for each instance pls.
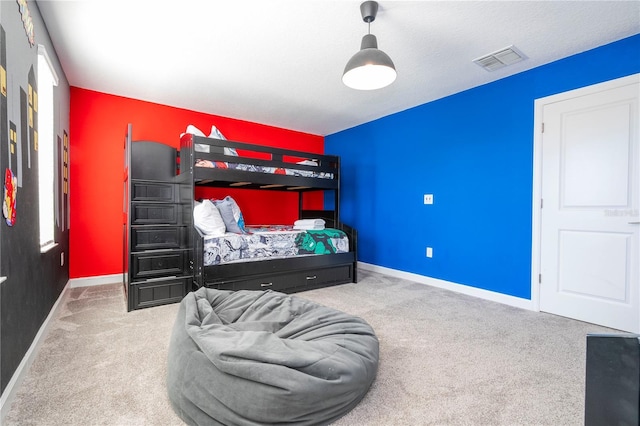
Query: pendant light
x: 370, y: 68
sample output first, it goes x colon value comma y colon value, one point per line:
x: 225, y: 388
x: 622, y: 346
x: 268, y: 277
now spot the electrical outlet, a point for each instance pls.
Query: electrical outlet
x: 428, y: 198
x: 429, y: 252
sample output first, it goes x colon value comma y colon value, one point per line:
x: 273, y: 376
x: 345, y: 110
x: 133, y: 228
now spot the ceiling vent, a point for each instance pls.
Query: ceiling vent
x: 500, y: 58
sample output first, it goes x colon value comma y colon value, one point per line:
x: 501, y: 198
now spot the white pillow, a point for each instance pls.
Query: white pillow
x: 194, y: 130
x: 207, y: 219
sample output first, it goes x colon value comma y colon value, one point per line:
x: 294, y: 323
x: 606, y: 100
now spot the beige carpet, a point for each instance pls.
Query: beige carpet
x: 445, y: 359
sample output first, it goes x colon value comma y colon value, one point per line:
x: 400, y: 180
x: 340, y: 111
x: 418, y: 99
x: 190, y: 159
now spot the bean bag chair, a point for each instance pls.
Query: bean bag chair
x: 263, y: 357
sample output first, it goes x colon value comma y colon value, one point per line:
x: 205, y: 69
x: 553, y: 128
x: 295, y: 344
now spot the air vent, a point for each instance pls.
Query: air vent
x: 500, y: 58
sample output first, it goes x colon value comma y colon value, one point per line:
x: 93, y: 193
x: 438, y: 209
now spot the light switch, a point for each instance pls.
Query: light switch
x: 429, y: 252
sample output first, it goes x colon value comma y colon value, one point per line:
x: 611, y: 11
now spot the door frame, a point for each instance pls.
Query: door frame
x: 536, y: 225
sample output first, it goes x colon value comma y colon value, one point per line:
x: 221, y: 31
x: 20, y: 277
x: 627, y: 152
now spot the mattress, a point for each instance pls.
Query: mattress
x: 262, y: 169
x: 273, y: 242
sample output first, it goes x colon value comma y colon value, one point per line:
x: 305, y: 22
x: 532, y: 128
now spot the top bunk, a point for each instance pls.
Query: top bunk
x: 224, y: 163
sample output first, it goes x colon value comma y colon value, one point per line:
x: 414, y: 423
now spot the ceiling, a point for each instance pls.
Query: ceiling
x: 280, y: 62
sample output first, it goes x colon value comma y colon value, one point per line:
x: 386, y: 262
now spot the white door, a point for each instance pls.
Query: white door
x: 590, y: 190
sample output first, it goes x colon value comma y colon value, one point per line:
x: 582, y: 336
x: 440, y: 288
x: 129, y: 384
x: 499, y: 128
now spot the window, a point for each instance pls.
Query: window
x: 42, y: 102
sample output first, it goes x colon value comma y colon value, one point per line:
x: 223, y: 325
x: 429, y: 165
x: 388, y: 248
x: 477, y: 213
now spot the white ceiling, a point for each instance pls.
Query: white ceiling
x: 280, y: 62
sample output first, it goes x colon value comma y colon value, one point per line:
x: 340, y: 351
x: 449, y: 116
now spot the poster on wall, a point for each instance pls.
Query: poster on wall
x: 14, y: 148
x: 9, y: 197
x: 16, y: 159
x: 33, y: 109
x: 22, y: 130
x: 65, y: 178
x: 65, y: 163
x: 57, y: 185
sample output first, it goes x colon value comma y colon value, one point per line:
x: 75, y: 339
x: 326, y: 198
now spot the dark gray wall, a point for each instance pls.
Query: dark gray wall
x: 34, y: 280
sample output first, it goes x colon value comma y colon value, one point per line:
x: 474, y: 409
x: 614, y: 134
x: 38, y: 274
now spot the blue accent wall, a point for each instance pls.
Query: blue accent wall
x: 474, y: 151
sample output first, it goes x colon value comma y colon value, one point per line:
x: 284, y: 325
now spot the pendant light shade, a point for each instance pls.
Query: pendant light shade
x: 370, y: 68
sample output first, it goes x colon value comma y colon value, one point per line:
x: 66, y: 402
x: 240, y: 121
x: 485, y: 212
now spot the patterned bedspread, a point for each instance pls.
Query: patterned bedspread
x: 262, y: 169
x: 273, y: 242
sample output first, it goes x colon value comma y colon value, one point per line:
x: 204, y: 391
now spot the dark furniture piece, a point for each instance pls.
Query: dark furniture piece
x: 285, y: 275
x: 612, y: 390
x: 156, y: 238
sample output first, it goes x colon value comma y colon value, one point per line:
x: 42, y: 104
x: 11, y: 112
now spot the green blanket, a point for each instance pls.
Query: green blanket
x: 252, y: 357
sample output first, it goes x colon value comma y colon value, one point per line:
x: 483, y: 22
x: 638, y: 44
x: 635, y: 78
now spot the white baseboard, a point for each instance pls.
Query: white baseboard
x: 447, y: 285
x: 18, y: 376
x: 97, y: 280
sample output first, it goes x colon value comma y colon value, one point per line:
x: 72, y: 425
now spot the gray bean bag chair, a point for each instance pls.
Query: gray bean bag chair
x: 253, y: 357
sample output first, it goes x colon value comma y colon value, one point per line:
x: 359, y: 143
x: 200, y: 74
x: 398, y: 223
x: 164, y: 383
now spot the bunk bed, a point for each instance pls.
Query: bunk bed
x: 229, y: 164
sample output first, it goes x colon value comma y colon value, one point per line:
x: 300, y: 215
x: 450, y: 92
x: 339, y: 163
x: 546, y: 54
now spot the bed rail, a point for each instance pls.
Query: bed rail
x: 194, y: 149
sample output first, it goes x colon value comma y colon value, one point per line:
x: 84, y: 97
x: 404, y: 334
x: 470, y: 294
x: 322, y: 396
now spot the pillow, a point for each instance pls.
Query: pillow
x: 207, y: 219
x: 215, y: 133
x: 197, y: 132
x: 194, y: 130
x: 231, y: 215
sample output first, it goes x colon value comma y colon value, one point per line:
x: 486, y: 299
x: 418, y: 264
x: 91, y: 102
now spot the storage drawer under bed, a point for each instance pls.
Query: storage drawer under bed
x: 295, y: 281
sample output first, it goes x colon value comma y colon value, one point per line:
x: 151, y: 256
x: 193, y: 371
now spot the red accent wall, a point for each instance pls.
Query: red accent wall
x: 98, y: 123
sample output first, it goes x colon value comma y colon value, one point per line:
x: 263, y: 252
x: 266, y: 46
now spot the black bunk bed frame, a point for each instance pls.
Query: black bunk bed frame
x: 285, y: 275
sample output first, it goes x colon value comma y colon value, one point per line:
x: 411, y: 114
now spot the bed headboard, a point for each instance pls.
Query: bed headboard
x: 152, y: 161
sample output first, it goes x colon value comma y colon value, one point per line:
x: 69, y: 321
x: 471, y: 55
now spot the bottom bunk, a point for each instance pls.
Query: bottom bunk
x: 288, y: 274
